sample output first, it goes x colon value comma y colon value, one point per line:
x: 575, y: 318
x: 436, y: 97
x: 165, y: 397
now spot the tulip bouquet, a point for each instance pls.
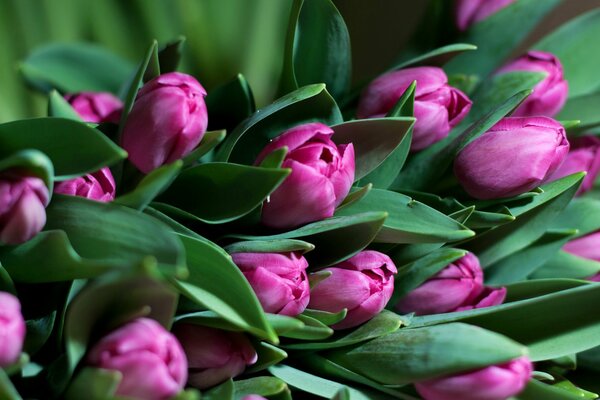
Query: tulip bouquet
x: 431, y: 234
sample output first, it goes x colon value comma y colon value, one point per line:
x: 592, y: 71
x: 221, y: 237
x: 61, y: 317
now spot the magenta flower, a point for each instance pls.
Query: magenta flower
x: 497, y: 382
x: 96, y: 107
x: 278, y: 279
x: 469, y: 12
x: 584, y: 156
x: 362, y: 284
x: 214, y: 355
x: 150, y: 359
x: 253, y: 397
x: 99, y: 186
x: 457, y: 287
x: 12, y: 329
x: 438, y: 106
x: 587, y: 246
x: 322, y: 174
x: 167, y: 121
x: 514, y: 156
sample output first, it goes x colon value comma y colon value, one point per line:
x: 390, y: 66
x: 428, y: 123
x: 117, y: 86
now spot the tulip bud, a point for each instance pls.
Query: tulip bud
x: 150, y: 359
x: 96, y: 107
x: 278, y: 279
x: 438, y: 106
x: 12, y: 329
x: 214, y: 355
x: 550, y: 94
x: 253, y: 397
x: 587, y: 246
x: 514, y: 156
x: 167, y: 121
x: 496, y: 382
x: 457, y: 287
x: 99, y: 186
x: 322, y: 174
x: 469, y: 12
x: 362, y: 284
x: 583, y: 156
x: 22, y: 207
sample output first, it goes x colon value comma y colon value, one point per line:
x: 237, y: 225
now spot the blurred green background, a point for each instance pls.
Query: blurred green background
x: 224, y: 37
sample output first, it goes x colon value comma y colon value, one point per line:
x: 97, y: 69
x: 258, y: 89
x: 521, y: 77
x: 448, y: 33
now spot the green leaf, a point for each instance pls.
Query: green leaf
x: 170, y: 55
x: 269, y: 246
x: 229, y: 104
x: 96, y: 383
x: 437, y: 57
x: 536, y: 390
x: 210, y: 140
x: 7, y: 390
x: 313, y: 329
x: 34, y: 162
x: 267, y: 355
x: 73, y: 147
x: 6, y: 282
x: 582, y: 108
x: 566, y: 265
x: 275, y: 159
x: 222, y: 392
x: 539, y: 287
x: 356, y: 194
x: 150, y: 186
x: 325, y: 317
x: 60, y: 108
x: 582, y: 214
x: 260, y: 385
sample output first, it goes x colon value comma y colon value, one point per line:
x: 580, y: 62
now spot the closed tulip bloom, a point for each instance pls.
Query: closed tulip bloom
x: 167, y: 121
x: 457, y: 287
x: 278, y: 279
x: 583, y: 156
x: 12, y: 329
x: 253, y: 397
x: 587, y: 246
x: 150, y: 359
x: 550, y: 94
x: 322, y: 174
x: 497, y: 382
x: 514, y: 156
x: 23, y: 202
x: 96, y: 107
x: 362, y: 284
x: 469, y: 12
x: 99, y: 186
x: 438, y: 106
x: 214, y: 355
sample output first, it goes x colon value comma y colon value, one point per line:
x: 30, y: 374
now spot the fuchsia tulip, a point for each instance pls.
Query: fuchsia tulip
x: 469, y: 12
x: 150, y: 359
x: 457, y: 287
x: 514, y: 156
x: 253, y: 397
x: 99, y: 186
x: 362, y: 284
x: 96, y: 107
x: 584, y: 156
x: 22, y: 207
x: 550, y: 94
x: 12, y: 329
x: 167, y: 121
x: 278, y: 279
x: 214, y: 355
x: 496, y: 382
x: 322, y: 174
x: 438, y: 106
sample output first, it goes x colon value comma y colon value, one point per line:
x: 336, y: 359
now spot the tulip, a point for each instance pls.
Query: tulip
x: 496, y: 382
x: 214, y: 355
x: 253, y: 397
x: 457, y: 287
x: 22, y: 207
x: 99, y: 186
x: 278, y: 279
x: 322, y: 174
x: 12, y: 329
x: 469, y: 12
x: 583, y: 156
x: 167, y: 121
x: 550, y: 94
x: 514, y: 156
x: 150, y: 359
x: 363, y: 285
x: 587, y: 246
x: 96, y: 107
x: 438, y: 106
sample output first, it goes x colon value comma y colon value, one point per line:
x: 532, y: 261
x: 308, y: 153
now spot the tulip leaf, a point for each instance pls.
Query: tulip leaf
x: 96, y: 383
x: 313, y: 329
x: 536, y: 390
x: 566, y: 265
x: 282, y: 323
x: 6, y: 282
x: 582, y: 214
x: 275, y: 159
x: 437, y: 57
x: 75, y: 67
x: 486, y: 219
x: 7, y: 390
x: 583, y: 108
x: 60, y: 108
x: 229, y: 104
x: 267, y: 355
x: 260, y: 385
x: 73, y: 147
x: 538, y: 287
x: 222, y: 192
x: 355, y: 195
x: 210, y: 140
x: 170, y: 55
x: 325, y: 317
x: 222, y: 392
x: 269, y: 246
x: 34, y: 162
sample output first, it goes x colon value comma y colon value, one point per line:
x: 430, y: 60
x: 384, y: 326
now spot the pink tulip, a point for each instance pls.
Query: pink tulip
x: 514, y: 156
x: 99, y: 186
x: 362, y: 284
x: 167, y: 121
x: 12, y: 329
x: 587, y: 246
x: 253, y: 397
x: 469, y: 12
x: 150, y: 359
x: 322, y: 174
x: 457, y: 287
x: 278, y: 279
x: 22, y: 207
x: 584, y: 156
x: 550, y: 94
x: 214, y: 355
x: 497, y: 382
x: 96, y: 107
x: 438, y: 106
